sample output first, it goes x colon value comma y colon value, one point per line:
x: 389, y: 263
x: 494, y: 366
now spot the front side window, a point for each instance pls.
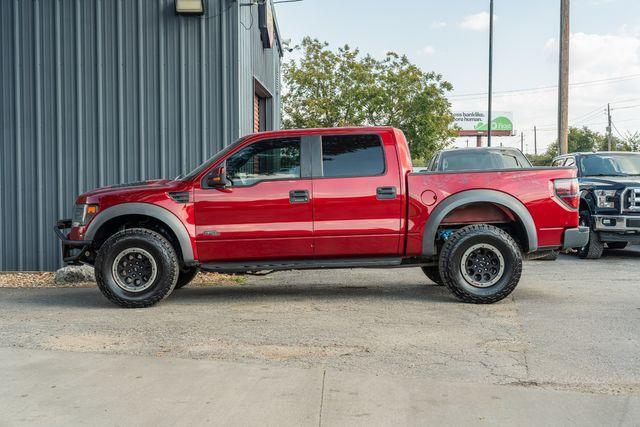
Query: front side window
x: 352, y: 156
x: 267, y: 160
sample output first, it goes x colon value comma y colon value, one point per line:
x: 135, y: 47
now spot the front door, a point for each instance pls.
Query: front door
x: 356, y: 197
x: 265, y: 212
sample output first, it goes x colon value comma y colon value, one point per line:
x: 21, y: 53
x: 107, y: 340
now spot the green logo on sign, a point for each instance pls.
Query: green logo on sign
x: 499, y: 123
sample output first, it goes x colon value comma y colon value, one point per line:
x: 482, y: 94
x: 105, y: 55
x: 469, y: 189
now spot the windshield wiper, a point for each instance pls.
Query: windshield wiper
x: 608, y: 174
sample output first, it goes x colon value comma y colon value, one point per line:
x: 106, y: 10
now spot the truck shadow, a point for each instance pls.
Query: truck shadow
x: 216, y: 295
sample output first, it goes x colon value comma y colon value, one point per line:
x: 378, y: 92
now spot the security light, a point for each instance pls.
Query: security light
x: 190, y: 7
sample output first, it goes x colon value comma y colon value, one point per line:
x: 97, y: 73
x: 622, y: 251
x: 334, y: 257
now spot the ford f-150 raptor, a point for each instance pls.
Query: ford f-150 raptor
x: 322, y: 198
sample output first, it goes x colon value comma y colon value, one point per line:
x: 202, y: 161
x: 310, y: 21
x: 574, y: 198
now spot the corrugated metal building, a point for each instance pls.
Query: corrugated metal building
x: 99, y: 92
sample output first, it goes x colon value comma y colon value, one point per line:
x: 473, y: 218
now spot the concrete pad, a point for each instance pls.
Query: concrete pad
x: 61, y: 389
x: 355, y: 399
x: 56, y: 388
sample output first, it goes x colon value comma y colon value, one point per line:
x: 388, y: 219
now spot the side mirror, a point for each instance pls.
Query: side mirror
x: 217, y: 178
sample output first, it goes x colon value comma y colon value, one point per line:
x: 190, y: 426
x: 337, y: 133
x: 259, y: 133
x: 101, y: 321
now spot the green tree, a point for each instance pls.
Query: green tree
x: 329, y: 88
x: 630, y: 142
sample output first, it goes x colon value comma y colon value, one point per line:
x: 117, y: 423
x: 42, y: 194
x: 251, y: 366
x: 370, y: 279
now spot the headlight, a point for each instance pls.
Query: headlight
x: 83, y: 214
x: 606, y: 198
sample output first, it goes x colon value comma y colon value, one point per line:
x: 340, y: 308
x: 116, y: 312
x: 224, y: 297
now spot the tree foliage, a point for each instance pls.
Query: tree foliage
x: 586, y: 140
x: 331, y: 88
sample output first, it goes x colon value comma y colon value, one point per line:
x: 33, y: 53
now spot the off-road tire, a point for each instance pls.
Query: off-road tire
x: 186, y: 276
x: 433, y: 274
x: 617, y: 245
x: 595, y: 247
x: 451, y: 259
x: 163, y: 254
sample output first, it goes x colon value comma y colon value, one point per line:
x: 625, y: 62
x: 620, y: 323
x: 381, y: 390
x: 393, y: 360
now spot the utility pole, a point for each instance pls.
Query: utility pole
x: 490, y: 72
x: 563, y: 84
x: 522, y: 141
x: 609, y: 135
x: 535, y: 141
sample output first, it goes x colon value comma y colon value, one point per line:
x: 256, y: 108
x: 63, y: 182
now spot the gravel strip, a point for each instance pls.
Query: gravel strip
x: 46, y: 280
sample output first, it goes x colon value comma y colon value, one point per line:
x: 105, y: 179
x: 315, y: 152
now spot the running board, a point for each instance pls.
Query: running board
x: 314, y: 264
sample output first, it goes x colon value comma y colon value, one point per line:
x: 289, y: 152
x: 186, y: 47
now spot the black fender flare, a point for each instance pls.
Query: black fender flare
x: 476, y: 196
x: 157, y: 212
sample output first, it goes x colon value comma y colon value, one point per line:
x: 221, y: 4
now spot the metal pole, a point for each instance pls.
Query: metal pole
x: 563, y: 84
x: 535, y: 141
x: 522, y: 141
x: 490, y: 72
x: 609, y: 134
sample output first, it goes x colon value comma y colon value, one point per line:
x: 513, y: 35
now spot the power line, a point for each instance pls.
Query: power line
x: 626, y: 108
x: 619, y: 79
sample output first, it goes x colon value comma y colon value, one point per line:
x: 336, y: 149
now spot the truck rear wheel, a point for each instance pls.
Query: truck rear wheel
x: 136, y: 268
x: 433, y: 274
x: 186, y: 276
x: 480, y: 264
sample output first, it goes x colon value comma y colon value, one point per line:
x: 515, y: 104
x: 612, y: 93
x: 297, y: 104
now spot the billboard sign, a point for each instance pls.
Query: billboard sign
x: 473, y: 123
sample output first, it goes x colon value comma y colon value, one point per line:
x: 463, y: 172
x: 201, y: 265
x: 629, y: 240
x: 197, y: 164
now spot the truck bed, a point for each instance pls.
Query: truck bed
x: 532, y: 187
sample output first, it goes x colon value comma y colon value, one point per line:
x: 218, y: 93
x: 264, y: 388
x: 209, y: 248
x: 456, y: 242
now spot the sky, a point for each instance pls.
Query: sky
x: 451, y: 38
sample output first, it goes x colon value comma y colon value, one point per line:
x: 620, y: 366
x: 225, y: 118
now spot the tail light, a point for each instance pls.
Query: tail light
x: 568, y: 191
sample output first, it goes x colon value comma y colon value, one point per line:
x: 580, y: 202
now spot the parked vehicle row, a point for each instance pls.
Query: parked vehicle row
x: 323, y: 198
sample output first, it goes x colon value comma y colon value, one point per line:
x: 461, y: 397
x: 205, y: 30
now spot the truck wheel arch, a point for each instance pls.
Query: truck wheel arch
x: 463, y: 198
x: 153, y: 211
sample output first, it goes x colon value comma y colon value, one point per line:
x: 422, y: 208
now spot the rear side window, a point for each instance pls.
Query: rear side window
x: 352, y: 155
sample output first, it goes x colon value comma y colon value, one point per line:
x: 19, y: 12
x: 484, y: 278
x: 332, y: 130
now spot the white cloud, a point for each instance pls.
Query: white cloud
x: 477, y: 22
x: 601, y: 56
x: 436, y: 25
x: 427, y: 50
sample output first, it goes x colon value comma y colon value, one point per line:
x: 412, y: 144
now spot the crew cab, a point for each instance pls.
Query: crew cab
x: 321, y: 198
x: 609, y: 198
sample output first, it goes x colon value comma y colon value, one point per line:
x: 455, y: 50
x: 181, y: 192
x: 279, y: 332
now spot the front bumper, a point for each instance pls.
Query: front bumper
x: 72, y: 250
x: 616, y: 223
x: 575, y: 237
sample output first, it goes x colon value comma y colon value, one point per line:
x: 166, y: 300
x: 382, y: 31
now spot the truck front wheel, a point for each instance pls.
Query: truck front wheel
x: 136, y: 268
x: 480, y: 264
x: 595, y: 247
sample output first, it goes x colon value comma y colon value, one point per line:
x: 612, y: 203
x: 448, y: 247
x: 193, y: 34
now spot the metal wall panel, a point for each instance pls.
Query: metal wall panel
x: 101, y: 92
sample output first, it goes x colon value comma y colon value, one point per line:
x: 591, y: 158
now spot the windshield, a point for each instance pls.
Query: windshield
x: 197, y: 171
x: 610, y: 165
x: 453, y: 161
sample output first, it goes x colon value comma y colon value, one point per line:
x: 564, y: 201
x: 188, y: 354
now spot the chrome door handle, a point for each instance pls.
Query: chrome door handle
x: 386, y: 193
x: 298, y: 196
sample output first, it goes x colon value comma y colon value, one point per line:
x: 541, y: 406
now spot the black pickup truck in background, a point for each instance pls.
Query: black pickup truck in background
x: 609, y: 200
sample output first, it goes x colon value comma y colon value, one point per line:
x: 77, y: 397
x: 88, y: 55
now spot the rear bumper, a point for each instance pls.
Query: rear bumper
x: 575, y: 237
x: 72, y: 250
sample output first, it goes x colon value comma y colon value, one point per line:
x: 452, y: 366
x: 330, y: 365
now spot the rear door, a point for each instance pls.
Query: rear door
x: 357, y: 205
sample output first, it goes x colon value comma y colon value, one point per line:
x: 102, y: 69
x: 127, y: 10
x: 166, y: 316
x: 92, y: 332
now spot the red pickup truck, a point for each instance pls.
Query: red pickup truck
x: 322, y: 198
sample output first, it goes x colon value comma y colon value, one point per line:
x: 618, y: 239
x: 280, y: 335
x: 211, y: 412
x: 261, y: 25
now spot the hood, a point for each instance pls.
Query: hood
x: 118, y: 189
x: 615, y: 182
